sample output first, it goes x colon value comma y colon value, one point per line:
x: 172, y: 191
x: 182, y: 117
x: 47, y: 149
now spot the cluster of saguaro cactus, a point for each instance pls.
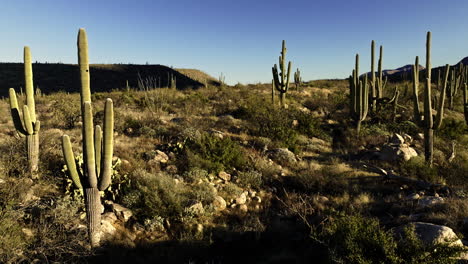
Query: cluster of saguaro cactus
x: 28, y: 127
x: 465, y: 93
x: 426, y: 119
x: 359, y: 98
x: 281, y: 79
x: 297, y: 79
x: 95, y: 175
x: 455, y: 82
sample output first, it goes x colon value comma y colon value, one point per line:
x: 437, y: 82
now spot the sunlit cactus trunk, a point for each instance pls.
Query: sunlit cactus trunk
x: 426, y: 119
x: 28, y: 126
x: 95, y: 175
x: 93, y: 215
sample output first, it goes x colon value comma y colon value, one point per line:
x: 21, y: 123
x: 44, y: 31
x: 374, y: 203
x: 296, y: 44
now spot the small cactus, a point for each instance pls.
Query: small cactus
x: 95, y: 175
x: 28, y: 127
x: 281, y: 79
x: 297, y: 79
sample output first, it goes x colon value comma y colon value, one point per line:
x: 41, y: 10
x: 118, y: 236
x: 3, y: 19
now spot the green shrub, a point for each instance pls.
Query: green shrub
x: 250, y: 179
x: 452, y: 129
x: 214, y: 154
x: 357, y: 239
x: 416, y: 167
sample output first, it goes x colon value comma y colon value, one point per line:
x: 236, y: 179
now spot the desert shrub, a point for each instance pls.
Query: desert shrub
x: 66, y: 111
x: 452, y: 129
x: 195, y: 175
x: 412, y: 250
x: 13, y: 239
x: 154, y: 195
x: 416, y: 167
x: 13, y: 162
x: 250, y: 179
x: 214, y: 154
x: 406, y: 127
x: 357, y: 239
x: 149, y: 127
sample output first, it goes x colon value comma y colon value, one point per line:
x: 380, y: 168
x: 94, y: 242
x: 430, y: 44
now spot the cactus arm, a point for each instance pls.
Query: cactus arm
x: 15, y: 113
x: 37, y: 127
x: 27, y: 120
x: 416, y: 107
x: 83, y: 63
x: 98, y: 148
x: 465, y: 101
x: 380, y: 81
x: 28, y: 79
x: 88, y: 145
x: 365, y: 99
x: 70, y: 161
x: 287, y: 78
x: 440, y: 110
x: 108, y: 145
x: 428, y: 120
x: 276, y: 78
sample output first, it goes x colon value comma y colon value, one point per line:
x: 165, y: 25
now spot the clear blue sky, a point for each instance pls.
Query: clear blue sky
x: 240, y: 38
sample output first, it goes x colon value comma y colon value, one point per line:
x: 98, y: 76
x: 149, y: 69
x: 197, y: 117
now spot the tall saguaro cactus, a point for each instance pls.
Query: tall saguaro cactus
x: 372, y: 82
x: 380, y: 81
x: 426, y: 119
x: 359, y: 96
x: 465, y: 94
x: 28, y: 127
x: 95, y: 175
x: 281, y: 79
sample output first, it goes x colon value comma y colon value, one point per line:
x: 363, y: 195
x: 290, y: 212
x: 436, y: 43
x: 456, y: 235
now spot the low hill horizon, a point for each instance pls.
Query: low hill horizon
x: 56, y: 77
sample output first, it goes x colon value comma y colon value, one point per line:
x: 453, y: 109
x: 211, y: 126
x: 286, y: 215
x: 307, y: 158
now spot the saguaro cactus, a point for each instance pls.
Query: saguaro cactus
x: 454, y: 83
x: 297, y: 79
x: 29, y: 126
x: 380, y: 81
x: 359, y: 96
x: 95, y: 175
x: 372, y: 82
x: 465, y: 94
x: 426, y: 120
x: 281, y: 79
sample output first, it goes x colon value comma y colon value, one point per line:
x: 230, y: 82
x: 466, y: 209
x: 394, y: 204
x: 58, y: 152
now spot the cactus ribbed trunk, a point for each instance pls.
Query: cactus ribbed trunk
x: 93, y: 214
x: 32, y: 145
x: 373, y: 92
x: 429, y: 145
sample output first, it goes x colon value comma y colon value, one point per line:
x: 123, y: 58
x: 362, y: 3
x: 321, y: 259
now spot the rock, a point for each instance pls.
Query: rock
x: 216, y: 133
x: 393, y: 153
x: 243, y: 208
x: 122, y: 213
x: 196, y: 208
x: 282, y: 156
x: 322, y: 199
x: 219, y: 203
x: 2, y: 181
x: 257, y: 199
x: 408, y: 139
x: 171, y: 169
x: 413, y: 196
x: 28, y: 232
x: 397, y: 139
x: 252, y: 194
x: 160, y: 157
x: 109, y: 217
x: 224, y: 176
x: 431, y: 233
x: 420, y: 136
x: 430, y: 200
x: 108, y: 229
x: 242, y: 199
